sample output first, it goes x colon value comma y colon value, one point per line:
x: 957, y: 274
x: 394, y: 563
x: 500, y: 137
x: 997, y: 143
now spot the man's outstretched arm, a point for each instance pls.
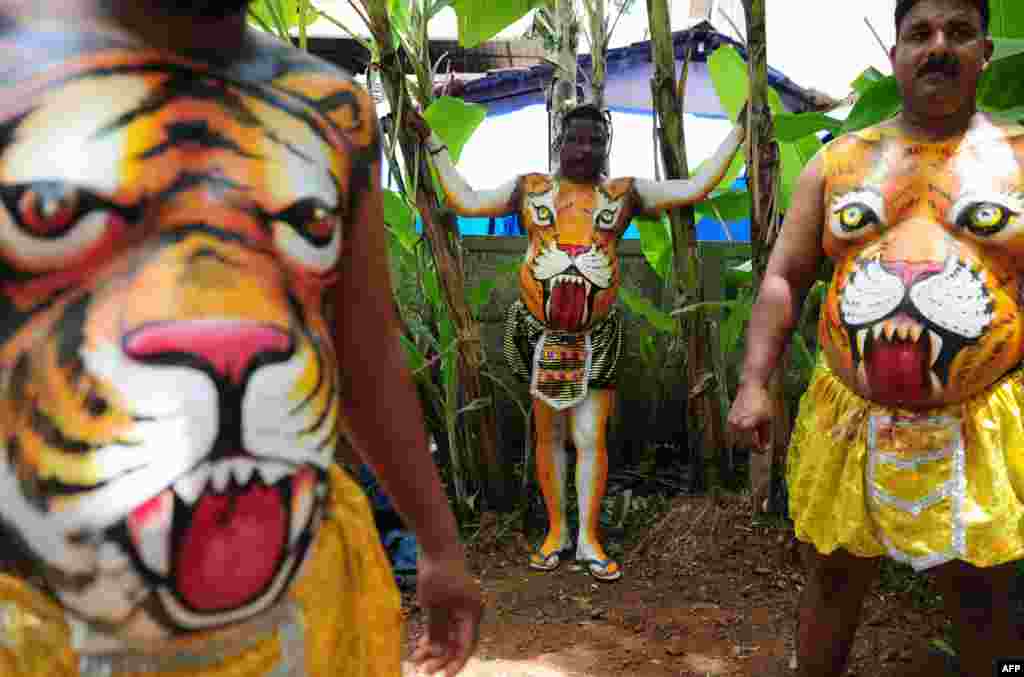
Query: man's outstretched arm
x: 660, y: 195
x: 462, y: 198
x: 791, y: 271
x: 385, y: 421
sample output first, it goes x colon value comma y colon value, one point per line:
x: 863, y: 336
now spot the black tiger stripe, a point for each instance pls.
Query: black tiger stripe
x: 70, y: 332
x: 316, y: 388
x: 331, y: 394
x: 196, y: 133
x: 186, y: 181
x: 51, y: 433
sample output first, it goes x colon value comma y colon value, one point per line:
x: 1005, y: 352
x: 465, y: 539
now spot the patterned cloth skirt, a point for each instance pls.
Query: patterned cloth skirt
x: 561, y: 366
x: 923, y: 488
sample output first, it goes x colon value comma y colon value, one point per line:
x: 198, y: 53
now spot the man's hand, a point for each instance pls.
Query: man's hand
x: 751, y: 415
x: 451, y: 600
x: 416, y: 124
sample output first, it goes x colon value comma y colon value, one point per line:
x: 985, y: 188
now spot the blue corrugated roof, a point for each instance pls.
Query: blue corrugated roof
x: 504, y: 83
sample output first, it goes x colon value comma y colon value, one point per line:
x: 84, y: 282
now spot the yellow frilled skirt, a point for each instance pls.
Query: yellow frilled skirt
x: 921, y: 488
x: 346, y: 598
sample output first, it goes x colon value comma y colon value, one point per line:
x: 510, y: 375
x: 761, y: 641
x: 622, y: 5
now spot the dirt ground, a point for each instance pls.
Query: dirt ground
x: 707, y: 591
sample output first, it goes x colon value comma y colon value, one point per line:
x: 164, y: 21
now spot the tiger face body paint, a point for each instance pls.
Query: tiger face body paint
x: 924, y: 308
x: 170, y: 241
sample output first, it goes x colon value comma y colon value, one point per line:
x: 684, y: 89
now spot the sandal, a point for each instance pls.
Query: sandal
x: 542, y: 562
x: 601, y: 569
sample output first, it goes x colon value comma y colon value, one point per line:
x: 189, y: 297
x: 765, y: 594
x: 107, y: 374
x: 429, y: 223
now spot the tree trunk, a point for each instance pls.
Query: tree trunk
x: 598, y: 51
x: 563, y: 95
x: 442, y: 237
x: 668, y: 104
x: 762, y: 173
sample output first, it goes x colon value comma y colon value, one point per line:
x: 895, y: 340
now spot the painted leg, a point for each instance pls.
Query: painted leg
x: 830, y: 609
x: 589, y: 425
x: 978, y: 602
x: 551, y: 473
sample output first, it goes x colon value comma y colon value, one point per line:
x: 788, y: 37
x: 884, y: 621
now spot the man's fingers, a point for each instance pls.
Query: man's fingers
x: 762, y: 438
x: 466, y: 634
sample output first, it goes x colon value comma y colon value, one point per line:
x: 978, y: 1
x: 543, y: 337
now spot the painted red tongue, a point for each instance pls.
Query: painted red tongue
x: 231, y: 548
x: 568, y: 304
x: 898, y: 372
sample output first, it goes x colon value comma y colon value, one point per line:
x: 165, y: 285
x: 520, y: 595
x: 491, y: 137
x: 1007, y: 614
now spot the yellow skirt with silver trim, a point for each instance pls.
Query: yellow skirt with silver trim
x: 921, y: 488
x: 345, y: 621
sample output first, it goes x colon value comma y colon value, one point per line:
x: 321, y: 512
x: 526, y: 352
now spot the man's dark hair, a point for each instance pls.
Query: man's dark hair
x: 904, y: 6
x: 587, y: 111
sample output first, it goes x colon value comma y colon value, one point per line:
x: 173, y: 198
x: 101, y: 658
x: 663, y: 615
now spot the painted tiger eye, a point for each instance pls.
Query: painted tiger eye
x: 47, y: 210
x: 852, y: 216
x: 987, y: 216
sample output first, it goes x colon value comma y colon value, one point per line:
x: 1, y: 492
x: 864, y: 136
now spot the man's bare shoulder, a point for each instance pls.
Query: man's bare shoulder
x: 536, y: 183
x: 616, y: 188
x: 331, y: 90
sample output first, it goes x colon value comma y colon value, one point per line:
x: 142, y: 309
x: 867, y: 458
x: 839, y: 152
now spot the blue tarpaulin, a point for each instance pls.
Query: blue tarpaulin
x: 399, y: 543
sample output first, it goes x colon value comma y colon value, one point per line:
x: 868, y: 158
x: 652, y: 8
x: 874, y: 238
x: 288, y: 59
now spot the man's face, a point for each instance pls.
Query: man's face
x: 582, y: 153
x: 940, y: 52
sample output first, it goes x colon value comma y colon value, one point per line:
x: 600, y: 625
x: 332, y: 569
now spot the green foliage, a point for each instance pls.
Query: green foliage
x: 792, y: 126
x: 639, y: 305
x: 870, y: 76
x: 1006, y: 19
x: 878, y: 101
x: 1007, y: 47
x: 454, y: 121
x: 481, y: 20
x: 729, y: 76
x: 656, y: 243
x: 278, y: 17
x: 1001, y: 87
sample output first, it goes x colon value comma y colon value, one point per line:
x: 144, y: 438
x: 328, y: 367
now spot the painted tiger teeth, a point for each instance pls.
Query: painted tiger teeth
x: 888, y: 328
x: 241, y: 470
x: 862, y: 338
x: 915, y: 332
x: 220, y: 476
x: 189, y: 487
x: 302, y: 505
x: 936, y: 346
x: 272, y: 473
x: 935, y: 382
x: 149, y: 527
x: 877, y: 330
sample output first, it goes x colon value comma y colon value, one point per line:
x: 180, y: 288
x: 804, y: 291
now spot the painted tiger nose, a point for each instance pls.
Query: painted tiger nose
x: 230, y: 348
x: 910, y: 273
x: 574, y: 250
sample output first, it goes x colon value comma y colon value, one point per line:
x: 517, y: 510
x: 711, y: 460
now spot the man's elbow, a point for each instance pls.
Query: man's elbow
x: 778, y: 298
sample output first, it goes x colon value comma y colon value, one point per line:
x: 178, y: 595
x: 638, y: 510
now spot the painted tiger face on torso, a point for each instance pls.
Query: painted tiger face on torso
x: 924, y: 308
x: 570, y: 274
x: 170, y: 237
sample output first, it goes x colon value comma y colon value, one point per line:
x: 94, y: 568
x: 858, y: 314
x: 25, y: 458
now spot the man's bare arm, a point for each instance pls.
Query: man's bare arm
x: 383, y: 409
x: 660, y: 195
x: 462, y: 198
x: 791, y: 271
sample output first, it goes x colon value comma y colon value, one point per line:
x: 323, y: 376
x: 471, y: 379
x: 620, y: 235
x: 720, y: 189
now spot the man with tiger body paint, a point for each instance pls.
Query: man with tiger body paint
x: 909, y: 443
x: 563, y: 336
x: 194, y: 307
